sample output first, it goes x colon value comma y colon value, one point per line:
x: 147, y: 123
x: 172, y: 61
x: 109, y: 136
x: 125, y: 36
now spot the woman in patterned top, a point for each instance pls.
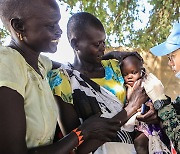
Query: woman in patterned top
x: 99, y: 86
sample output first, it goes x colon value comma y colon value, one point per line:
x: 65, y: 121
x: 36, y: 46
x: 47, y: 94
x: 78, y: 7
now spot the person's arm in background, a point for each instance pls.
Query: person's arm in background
x: 171, y: 124
x: 167, y: 113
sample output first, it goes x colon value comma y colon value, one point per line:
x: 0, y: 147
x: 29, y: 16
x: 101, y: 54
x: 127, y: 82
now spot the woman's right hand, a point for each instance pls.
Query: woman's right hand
x: 100, y: 128
x: 137, y: 98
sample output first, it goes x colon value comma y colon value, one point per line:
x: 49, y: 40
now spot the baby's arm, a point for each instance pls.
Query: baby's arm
x: 141, y: 143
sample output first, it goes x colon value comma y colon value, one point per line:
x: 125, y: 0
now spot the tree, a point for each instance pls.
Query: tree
x: 3, y: 34
x: 119, y: 18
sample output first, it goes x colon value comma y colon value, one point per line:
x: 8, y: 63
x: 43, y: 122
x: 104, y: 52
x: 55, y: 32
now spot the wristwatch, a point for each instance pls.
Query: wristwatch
x: 159, y: 104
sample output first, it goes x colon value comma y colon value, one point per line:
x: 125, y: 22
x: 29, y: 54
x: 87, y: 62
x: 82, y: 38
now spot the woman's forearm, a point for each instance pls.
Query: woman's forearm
x: 64, y: 146
x: 125, y: 114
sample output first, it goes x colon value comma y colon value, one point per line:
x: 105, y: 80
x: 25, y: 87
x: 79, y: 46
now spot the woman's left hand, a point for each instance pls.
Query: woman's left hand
x: 151, y: 116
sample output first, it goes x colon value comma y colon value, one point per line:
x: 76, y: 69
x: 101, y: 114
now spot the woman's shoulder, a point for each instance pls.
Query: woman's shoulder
x: 4, y: 50
x: 46, y: 62
x: 10, y: 56
x: 59, y: 82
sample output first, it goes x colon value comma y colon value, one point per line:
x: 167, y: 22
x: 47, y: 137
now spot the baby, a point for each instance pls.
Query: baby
x: 148, y: 137
x: 132, y: 70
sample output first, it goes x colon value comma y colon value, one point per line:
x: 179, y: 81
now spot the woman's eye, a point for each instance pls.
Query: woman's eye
x: 51, y: 26
x: 99, y: 43
x: 96, y: 44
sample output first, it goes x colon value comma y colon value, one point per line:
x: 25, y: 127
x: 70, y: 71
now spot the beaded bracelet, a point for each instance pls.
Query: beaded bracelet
x: 79, y: 135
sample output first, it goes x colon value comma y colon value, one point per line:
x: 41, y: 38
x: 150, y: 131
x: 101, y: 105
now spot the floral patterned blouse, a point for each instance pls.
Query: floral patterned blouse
x: 113, y: 80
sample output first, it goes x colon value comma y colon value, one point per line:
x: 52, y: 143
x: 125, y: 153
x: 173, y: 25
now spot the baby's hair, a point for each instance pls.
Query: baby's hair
x: 134, y: 57
x: 79, y: 22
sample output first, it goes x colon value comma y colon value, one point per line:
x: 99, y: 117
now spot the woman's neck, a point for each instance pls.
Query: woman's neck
x: 91, y: 70
x: 29, y: 55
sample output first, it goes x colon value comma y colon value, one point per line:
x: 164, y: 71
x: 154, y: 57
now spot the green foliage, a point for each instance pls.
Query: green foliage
x: 118, y: 17
x: 163, y: 14
x: 3, y: 34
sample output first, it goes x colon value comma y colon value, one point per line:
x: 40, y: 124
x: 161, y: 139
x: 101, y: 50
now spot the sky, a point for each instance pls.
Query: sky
x: 64, y: 51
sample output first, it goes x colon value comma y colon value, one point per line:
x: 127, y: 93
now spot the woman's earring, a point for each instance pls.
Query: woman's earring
x: 20, y: 36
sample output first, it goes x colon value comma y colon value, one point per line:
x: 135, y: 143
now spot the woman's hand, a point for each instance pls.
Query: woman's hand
x: 138, y: 96
x: 128, y: 91
x: 97, y: 127
x: 150, y: 117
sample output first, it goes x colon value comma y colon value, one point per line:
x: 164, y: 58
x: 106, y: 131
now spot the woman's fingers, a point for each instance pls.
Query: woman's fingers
x: 150, y: 116
x: 97, y: 126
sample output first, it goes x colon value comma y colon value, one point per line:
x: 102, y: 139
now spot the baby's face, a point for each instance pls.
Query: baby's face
x: 131, y: 73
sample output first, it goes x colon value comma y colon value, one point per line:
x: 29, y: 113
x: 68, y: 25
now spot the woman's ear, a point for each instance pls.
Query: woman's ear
x: 74, y: 44
x: 18, y: 25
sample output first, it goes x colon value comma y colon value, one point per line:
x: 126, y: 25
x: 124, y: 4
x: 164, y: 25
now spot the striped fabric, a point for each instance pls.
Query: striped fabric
x: 89, y: 98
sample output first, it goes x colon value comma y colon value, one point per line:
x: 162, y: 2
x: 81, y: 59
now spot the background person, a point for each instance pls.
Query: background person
x: 167, y: 111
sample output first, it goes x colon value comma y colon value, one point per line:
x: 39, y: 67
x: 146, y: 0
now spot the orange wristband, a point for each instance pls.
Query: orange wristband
x: 79, y: 136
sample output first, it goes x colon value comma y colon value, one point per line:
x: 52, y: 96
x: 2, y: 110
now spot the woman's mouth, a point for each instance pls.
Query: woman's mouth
x: 55, y: 41
x: 99, y: 57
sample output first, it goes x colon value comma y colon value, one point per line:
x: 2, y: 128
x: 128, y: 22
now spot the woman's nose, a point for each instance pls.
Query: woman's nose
x: 170, y: 63
x: 102, y: 46
x: 58, y: 32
